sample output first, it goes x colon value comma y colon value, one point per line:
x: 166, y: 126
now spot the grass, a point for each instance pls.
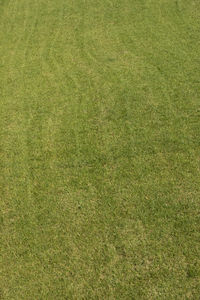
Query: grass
x: 99, y: 149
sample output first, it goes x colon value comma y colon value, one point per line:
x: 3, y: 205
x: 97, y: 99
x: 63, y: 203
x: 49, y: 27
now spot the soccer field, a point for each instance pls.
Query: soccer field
x: 99, y: 149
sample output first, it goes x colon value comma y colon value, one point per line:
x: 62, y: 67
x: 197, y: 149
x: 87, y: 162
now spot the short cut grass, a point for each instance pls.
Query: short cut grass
x: 99, y: 149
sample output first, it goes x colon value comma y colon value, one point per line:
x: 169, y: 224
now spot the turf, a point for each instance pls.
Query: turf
x: 99, y: 149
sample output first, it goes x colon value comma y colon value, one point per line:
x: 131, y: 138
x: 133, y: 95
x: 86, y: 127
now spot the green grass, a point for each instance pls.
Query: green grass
x: 99, y: 149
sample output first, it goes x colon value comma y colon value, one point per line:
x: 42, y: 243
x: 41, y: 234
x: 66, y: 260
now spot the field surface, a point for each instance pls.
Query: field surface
x: 99, y: 149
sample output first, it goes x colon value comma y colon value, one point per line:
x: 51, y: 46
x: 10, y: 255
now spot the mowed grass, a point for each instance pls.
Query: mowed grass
x: 99, y: 149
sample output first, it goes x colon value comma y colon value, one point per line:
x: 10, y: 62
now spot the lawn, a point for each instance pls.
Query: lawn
x: 99, y: 149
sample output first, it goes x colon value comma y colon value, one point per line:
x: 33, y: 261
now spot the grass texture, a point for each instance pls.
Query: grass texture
x: 99, y: 149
